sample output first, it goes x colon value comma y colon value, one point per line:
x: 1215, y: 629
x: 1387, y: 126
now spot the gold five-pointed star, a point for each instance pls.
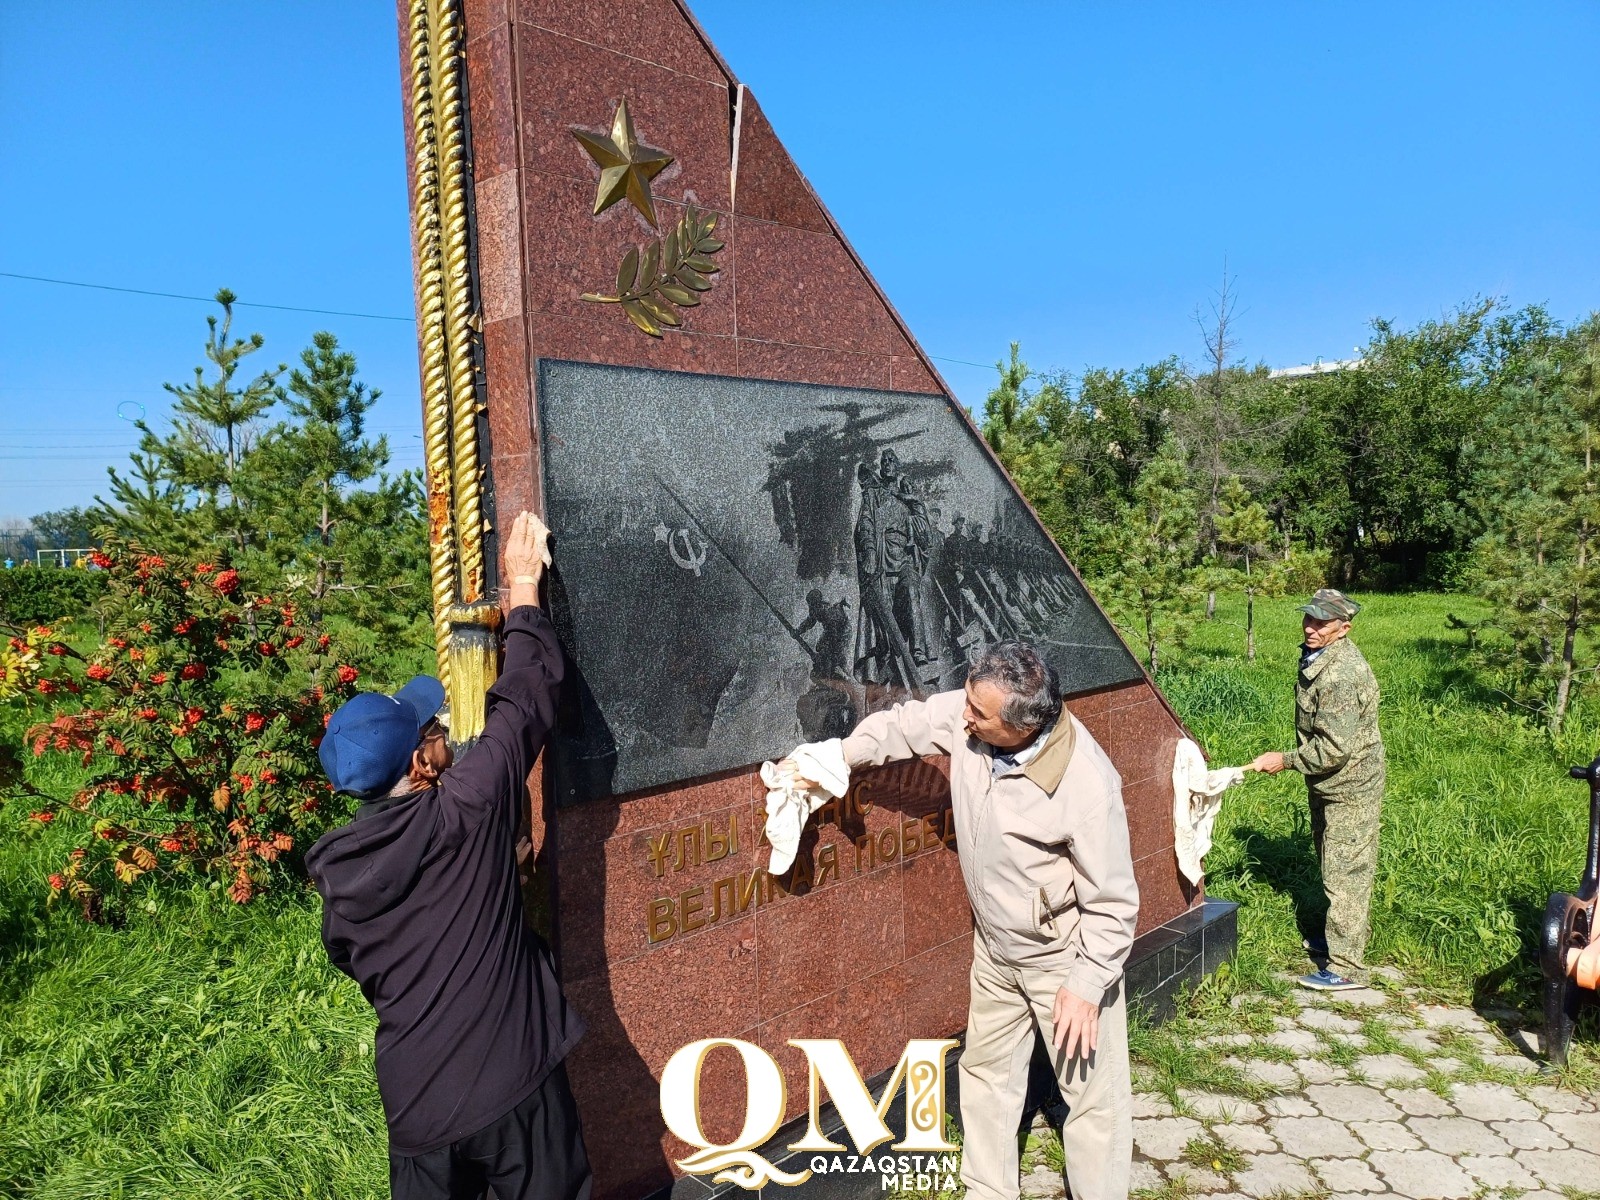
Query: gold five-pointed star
x: 626, y: 165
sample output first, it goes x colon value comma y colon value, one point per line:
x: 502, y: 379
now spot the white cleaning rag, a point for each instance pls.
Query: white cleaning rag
x: 795, y: 792
x: 1196, y: 800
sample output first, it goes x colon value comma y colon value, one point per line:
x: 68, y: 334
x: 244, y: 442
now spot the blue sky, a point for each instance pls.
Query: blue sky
x: 1072, y: 175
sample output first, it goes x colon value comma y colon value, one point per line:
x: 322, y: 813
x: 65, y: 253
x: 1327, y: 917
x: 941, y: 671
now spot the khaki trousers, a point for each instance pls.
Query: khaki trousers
x: 1008, y: 1005
x: 1344, y: 829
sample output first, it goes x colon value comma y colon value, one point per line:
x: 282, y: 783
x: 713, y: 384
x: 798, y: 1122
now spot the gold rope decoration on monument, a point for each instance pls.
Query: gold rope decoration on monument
x: 450, y: 122
x: 430, y: 334
x: 447, y: 325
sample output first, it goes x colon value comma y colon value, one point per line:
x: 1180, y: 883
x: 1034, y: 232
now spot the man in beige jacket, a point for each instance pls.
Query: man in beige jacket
x: 1043, y: 841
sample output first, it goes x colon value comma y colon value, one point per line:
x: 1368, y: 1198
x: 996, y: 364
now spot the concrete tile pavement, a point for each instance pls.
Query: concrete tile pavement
x: 1435, y: 1111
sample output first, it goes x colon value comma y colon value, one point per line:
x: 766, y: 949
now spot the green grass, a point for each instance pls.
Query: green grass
x: 1480, y: 822
x: 209, y: 1051
x: 203, y: 1050
x: 1210, y: 1153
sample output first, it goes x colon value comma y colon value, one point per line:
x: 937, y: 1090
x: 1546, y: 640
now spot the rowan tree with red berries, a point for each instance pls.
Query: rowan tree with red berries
x: 198, y: 717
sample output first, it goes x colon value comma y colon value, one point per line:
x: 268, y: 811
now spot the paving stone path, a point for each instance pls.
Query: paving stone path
x: 1359, y: 1095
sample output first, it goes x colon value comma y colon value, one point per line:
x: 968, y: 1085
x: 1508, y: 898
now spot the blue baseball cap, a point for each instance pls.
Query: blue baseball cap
x: 368, y: 743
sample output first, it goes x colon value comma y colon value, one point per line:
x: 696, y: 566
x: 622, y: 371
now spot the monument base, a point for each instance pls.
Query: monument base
x: 1164, y: 963
x: 1175, y: 957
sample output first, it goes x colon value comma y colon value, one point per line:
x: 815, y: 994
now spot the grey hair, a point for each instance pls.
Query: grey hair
x: 1032, y: 688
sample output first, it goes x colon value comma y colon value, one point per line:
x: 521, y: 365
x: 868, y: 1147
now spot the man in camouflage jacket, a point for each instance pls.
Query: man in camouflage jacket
x: 1340, y: 752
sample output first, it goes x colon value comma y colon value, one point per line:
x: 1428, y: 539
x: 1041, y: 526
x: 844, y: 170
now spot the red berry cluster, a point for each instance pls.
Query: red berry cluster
x: 183, y: 778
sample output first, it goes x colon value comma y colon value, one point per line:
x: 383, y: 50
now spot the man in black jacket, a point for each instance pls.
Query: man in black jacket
x: 421, y: 907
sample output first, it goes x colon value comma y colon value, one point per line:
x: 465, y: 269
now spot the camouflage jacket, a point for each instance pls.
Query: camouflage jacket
x: 1336, y: 722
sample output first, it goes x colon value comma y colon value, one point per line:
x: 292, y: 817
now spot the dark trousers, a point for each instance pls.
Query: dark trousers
x: 534, y: 1152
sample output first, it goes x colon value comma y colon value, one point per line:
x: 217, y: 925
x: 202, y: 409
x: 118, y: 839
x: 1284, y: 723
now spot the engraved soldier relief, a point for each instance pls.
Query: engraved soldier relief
x: 745, y: 562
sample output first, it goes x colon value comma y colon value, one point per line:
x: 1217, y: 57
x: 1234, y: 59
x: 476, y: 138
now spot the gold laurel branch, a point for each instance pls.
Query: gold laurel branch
x: 664, y: 273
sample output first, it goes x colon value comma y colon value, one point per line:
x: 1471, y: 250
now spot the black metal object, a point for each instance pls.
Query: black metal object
x: 1568, y: 922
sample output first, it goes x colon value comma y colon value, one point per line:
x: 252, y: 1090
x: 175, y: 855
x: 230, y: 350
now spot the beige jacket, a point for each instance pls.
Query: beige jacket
x: 1044, y: 848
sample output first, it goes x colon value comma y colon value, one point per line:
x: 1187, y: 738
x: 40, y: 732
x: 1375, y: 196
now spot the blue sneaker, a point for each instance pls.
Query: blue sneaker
x: 1328, y: 981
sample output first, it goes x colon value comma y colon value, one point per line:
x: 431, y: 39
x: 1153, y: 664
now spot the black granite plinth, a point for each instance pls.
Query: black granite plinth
x: 1175, y: 957
x: 1165, y: 962
x: 744, y: 564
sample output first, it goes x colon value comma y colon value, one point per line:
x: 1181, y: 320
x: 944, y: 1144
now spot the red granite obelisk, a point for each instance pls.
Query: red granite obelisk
x: 880, y: 953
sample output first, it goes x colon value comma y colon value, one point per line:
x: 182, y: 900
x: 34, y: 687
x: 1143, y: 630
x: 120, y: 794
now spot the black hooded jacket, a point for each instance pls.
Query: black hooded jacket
x: 421, y: 907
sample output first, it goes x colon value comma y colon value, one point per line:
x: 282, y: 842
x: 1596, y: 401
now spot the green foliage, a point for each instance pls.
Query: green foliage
x: 208, y: 1050
x: 1211, y: 1153
x: 1370, y: 462
x: 65, y: 529
x: 1076, y: 454
x: 359, y: 551
x: 201, y: 1052
x: 1374, y: 460
x: 1244, y: 534
x: 1220, y: 422
x: 1244, y: 561
x: 197, y: 490
x: 303, y: 505
x: 1537, y: 496
x: 1304, y: 571
x: 1469, y: 785
x: 1154, y: 587
x: 198, y: 714
x: 1003, y: 411
x: 39, y: 595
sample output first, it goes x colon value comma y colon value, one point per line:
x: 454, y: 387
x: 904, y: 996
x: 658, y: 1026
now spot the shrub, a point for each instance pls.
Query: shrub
x: 1307, y: 571
x: 38, y: 595
x: 23, y: 656
x: 197, y: 717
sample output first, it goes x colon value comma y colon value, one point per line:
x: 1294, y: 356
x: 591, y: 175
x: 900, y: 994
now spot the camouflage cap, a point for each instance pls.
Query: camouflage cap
x: 1330, y: 604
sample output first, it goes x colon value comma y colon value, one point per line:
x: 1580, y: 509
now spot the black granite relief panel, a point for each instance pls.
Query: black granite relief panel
x: 744, y: 564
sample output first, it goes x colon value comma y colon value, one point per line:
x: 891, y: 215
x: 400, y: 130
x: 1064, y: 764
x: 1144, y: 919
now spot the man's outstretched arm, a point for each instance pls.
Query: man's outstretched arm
x: 910, y: 730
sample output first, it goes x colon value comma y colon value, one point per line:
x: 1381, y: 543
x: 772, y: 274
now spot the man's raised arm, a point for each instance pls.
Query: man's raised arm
x: 521, y: 704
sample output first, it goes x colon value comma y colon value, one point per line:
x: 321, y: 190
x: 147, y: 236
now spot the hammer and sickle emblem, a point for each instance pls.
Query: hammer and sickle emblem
x: 692, y: 557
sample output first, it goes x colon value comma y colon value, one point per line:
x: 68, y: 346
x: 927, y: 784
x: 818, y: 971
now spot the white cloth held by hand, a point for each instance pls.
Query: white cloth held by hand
x: 790, y: 801
x: 1196, y: 800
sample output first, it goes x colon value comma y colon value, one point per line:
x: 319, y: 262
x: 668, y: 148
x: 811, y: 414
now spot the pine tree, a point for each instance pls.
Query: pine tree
x: 1244, y: 553
x: 357, y: 550
x: 302, y: 503
x: 1154, y: 584
x: 190, y: 491
x: 1537, y: 493
x: 1003, y: 409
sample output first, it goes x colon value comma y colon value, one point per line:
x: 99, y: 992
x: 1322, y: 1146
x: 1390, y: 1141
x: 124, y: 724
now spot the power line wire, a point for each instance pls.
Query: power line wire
x: 106, y: 287
x: 325, y: 312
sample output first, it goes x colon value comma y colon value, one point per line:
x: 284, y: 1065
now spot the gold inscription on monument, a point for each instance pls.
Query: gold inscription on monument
x: 693, y: 845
